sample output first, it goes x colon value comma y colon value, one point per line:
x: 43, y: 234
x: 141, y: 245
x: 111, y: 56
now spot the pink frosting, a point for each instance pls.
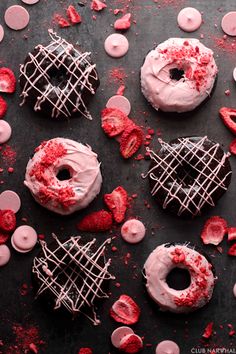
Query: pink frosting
x: 170, y: 95
x: 158, y: 265
x: 84, y: 184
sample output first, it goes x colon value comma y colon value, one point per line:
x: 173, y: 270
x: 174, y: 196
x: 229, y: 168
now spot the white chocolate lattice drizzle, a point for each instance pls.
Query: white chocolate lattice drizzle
x: 73, y: 274
x: 56, y: 55
x: 208, y: 166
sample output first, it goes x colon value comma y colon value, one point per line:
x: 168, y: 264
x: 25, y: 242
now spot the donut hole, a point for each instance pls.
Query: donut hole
x: 178, y: 278
x: 186, y: 174
x: 64, y: 174
x: 176, y: 74
x: 57, y: 76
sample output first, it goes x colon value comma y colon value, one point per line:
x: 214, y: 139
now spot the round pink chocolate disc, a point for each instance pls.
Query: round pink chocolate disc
x: 133, y: 231
x: 16, y: 17
x: 120, y: 102
x: 228, y: 23
x: 1, y: 33
x: 116, y: 45
x: 234, y: 290
x: 189, y: 19
x: 10, y: 200
x: 5, y: 255
x: 234, y: 74
x: 24, y: 238
x: 5, y: 131
x: 167, y: 347
x: 118, y: 334
x: 30, y: 2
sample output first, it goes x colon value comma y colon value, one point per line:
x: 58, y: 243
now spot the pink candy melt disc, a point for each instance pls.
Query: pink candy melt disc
x: 5, y: 255
x: 133, y: 231
x: 5, y: 131
x: 116, y: 45
x: 16, y: 17
x: 30, y: 2
x: 10, y: 200
x: 167, y: 346
x: 118, y: 334
x: 120, y: 102
x: 228, y: 23
x: 234, y: 290
x: 189, y: 19
x: 1, y: 33
x: 24, y: 238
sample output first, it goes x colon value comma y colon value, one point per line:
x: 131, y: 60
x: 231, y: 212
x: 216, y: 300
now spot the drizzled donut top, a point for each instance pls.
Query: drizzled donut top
x: 178, y: 74
x: 189, y: 174
x: 73, y: 274
x: 58, y: 79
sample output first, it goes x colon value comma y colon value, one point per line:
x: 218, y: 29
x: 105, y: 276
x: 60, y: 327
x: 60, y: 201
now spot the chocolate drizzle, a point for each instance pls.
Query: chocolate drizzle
x: 76, y: 79
x: 74, y: 274
x: 189, y: 174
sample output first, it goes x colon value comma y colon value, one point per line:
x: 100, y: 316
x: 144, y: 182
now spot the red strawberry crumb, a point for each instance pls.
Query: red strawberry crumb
x: 228, y: 115
x: 125, y: 310
x: 121, y: 90
x: 232, y: 147
x: 62, y: 22
x: 117, y: 202
x: 113, y: 121
x: 131, y: 344
x: 232, y: 331
x: 73, y: 15
x: 127, y: 258
x: 232, y: 250
x: 231, y: 234
x: 151, y: 131
x: 85, y: 351
x: 7, y: 80
x: 131, y: 140
x: 97, y: 5
x: 33, y: 348
x: 41, y: 237
x: 3, y: 107
x: 24, y: 289
x: 117, y: 285
x: 214, y: 230
x: 227, y: 92
x: 123, y: 23
x: 97, y: 221
x: 3, y: 237
x: 208, y: 330
x: 7, y: 220
x: 114, y: 249
x: 10, y: 169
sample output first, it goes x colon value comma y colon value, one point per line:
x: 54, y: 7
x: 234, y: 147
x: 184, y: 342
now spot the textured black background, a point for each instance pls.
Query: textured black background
x: 153, y: 26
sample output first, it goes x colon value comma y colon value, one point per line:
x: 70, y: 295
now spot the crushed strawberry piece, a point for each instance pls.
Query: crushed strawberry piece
x: 3, y: 237
x: 131, y: 344
x: 214, y: 230
x: 7, y: 80
x: 123, y: 23
x: 85, y: 351
x: 232, y: 250
x: 97, y: 221
x: 117, y: 202
x: 73, y: 15
x: 232, y: 330
x: 208, y: 331
x: 3, y: 107
x: 131, y: 140
x: 125, y: 310
x: 231, y: 234
x: 97, y: 5
x: 228, y: 116
x: 7, y: 220
x: 121, y: 90
x: 232, y: 147
x: 113, y: 121
x: 62, y: 22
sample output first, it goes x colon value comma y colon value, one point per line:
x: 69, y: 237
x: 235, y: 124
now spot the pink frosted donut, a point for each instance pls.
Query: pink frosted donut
x: 162, y: 261
x: 178, y: 75
x: 63, y: 175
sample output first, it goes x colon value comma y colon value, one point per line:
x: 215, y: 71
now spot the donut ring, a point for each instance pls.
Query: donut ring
x: 167, y: 257
x: 58, y: 79
x: 178, y: 75
x: 188, y: 175
x: 63, y: 175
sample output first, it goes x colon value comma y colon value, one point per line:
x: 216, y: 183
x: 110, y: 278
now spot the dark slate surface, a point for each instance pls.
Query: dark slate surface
x: 154, y: 24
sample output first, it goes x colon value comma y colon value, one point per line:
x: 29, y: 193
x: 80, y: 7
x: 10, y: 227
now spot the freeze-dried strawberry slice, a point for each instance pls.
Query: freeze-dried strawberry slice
x: 232, y: 147
x: 125, y: 310
x: 85, y: 351
x: 123, y: 23
x: 232, y: 250
x: 228, y: 115
x: 7, y: 80
x: 62, y: 22
x: 7, y: 220
x: 131, y: 343
x: 97, y: 5
x: 214, y: 230
x: 3, y: 107
x: 3, y: 237
x: 95, y: 222
x: 114, y: 121
x: 117, y: 202
x: 131, y: 140
x: 231, y: 234
x: 73, y: 15
x: 208, y: 330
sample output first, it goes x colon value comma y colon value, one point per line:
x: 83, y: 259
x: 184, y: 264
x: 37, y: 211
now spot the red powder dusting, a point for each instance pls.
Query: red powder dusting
x: 117, y: 75
x: 26, y: 338
x: 174, y: 3
x: 225, y: 44
x: 8, y: 155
